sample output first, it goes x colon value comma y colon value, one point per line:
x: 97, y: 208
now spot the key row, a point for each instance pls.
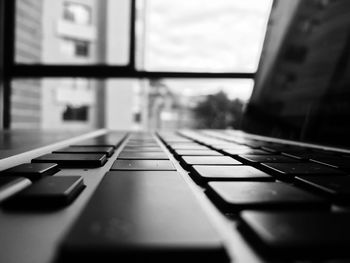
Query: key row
x: 302, y: 226
x: 36, y: 185
x: 321, y: 180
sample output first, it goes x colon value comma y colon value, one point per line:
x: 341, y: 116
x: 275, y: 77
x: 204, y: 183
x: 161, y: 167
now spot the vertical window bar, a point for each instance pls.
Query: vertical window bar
x: 9, y: 57
x: 132, y: 52
x: 2, y: 28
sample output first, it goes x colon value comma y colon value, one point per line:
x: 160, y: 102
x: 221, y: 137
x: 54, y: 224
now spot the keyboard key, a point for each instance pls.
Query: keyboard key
x: 289, y: 170
x: 142, y: 156
x: 108, y: 150
x: 307, y: 155
x: 229, y: 173
x: 142, y: 144
x: 171, y: 140
x: 298, y: 235
x: 279, y: 148
x: 143, y: 149
x: 143, y: 165
x: 260, y: 195
x: 10, y: 185
x: 197, y: 153
x: 249, y: 151
x: 222, y: 146
x: 232, y: 146
x: 268, y: 159
x: 141, y: 136
x: 143, y: 217
x: 337, y: 186
x: 32, y: 171
x: 189, y: 147
x: 73, y: 160
x: 209, y: 160
x: 48, y: 193
x: 109, y: 140
x: 342, y: 163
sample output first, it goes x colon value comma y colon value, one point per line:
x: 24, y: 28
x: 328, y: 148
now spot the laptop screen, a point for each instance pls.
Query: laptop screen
x: 302, y: 88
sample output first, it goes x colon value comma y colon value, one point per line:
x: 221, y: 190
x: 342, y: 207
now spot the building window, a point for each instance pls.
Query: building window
x: 75, y: 48
x: 77, y: 13
x: 81, y: 48
x: 76, y: 113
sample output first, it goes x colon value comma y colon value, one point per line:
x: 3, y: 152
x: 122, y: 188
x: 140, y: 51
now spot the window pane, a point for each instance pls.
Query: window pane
x: 126, y: 104
x: 57, y: 104
x: 202, y: 35
x: 77, y: 13
x: 72, y: 31
x: 182, y: 35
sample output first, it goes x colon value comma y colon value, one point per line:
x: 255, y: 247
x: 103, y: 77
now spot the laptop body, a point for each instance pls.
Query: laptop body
x: 282, y: 112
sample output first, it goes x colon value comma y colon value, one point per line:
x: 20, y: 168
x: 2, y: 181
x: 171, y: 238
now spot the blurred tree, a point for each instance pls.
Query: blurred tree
x: 219, y: 112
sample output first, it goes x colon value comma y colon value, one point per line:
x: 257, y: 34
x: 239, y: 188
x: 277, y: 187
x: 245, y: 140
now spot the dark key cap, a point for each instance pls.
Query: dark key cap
x: 141, y: 137
x: 262, y: 195
x: 229, y: 173
x: 48, y: 193
x: 142, y: 156
x: 189, y: 147
x: 306, y: 155
x: 291, y: 169
x: 270, y: 150
x: 73, y: 160
x: 298, y: 235
x: 175, y: 139
x: 278, y: 148
x: 111, y: 140
x: 209, y: 160
x: 337, y: 186
x: 143, y: 165
x: 142, y: 217
x: 342, y: 163
x: 92, y: 149
x: 232, y: 146
x: 32, y: 171
x: 268, y: 159
x: 10, y: 185
x: 152, y: 143
x: 245, y: 151
x: 143, y: 149
x: 197, y: 153
x: 191, y: 143
x: 142, y: 142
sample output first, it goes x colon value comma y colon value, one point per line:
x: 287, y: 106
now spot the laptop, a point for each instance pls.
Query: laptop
x: 277, y: 190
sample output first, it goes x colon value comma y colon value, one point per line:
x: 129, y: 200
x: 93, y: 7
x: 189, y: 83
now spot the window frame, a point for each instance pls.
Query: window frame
x: 13, y: 70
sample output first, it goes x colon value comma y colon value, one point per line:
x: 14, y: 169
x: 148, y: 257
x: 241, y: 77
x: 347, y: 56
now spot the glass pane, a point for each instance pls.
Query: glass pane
x: 72, y: 31
x: 57, y: 104
x: 126, y: 104
x: 196, y: 104
x: 183, y: 35
x: 202, y: 35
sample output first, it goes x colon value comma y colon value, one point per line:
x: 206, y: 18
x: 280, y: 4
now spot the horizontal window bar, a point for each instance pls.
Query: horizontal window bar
x: 100, y: 71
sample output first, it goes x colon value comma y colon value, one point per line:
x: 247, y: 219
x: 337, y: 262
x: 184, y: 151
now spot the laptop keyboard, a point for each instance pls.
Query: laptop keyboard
x: 289, y: 202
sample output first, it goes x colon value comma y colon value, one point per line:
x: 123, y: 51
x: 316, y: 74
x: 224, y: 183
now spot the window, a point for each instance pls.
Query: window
x: 75, y: 48
x: 77, y: 13
x: 81, y: 49
x: 180, y: 55
x: 202, y: 35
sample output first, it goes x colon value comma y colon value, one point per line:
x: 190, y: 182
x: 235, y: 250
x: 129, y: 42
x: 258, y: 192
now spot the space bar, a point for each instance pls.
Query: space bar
x: 143, y: 216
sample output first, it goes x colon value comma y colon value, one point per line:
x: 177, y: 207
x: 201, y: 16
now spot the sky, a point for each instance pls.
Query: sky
x: 205, y: 35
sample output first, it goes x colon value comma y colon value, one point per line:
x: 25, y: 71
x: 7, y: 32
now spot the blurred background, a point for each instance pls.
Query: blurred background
x: 180, y: 36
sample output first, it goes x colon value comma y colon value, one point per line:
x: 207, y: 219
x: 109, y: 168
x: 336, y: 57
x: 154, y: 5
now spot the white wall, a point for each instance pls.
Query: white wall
x: 119, y: 93
x: 119, y: 104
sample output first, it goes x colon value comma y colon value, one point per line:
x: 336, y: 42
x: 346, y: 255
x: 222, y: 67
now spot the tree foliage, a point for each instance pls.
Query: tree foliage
x: 219, y: 112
